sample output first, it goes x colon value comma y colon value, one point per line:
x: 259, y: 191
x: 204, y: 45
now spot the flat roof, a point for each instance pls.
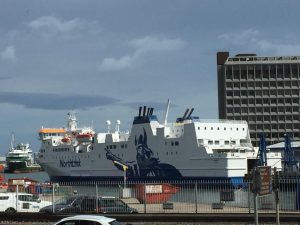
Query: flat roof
x: 294, y: 144
x: 253, y: 59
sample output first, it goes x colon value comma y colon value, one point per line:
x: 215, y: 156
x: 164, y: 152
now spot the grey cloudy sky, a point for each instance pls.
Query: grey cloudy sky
x: 105, y: 58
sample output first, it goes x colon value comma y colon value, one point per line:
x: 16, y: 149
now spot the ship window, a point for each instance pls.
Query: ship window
x: 200, y: 141
x: 176, y: 143
x: 176, y: 153
x: 122, y: 145
x: 210, y: 142
x: 233, y: 142
x: 114, y: 146
x: 204, y: 128
x: 167, y: 153
x: 166, y: 143
x: 198, y: 128
x: 224, y: 128
x: 226, y: 142
x: 172, y: 143
x: 110, y: 147
x: 218, y: 128
x: 217, y: 142
x: 237, y: 129
x: 4, y: 197
x: 211, y: 128
x: 125, y: 145
x: 171, y: 153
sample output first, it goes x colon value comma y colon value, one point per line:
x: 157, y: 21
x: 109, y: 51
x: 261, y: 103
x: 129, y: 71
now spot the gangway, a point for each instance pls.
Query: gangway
x: 289, y: 162
x: 262, y: 152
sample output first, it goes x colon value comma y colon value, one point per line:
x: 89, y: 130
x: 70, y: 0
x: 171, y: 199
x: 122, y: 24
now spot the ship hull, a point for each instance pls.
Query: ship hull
x: 236, y: 181
x: 22, y: 167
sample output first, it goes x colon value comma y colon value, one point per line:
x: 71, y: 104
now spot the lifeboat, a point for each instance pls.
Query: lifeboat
x: 85, y: 137
x: 66, y: 140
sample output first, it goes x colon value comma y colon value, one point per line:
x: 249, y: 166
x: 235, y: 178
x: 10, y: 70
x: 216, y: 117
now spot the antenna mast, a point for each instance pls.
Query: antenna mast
x: 167, y: 112
x: 12, y: 141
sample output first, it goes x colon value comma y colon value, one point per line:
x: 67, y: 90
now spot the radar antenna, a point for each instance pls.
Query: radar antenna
x: 118, y: 122
x: 108, y: 123
x: 72, y: 122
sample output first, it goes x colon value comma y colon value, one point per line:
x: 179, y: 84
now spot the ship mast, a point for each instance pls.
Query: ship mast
x: 167, y: 112
x: 12, y: 141
x: 72, y: 122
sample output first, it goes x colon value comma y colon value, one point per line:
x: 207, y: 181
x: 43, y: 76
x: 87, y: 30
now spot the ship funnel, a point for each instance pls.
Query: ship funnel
x: 144, y: 112
x: 148, y: 112
x: 185, y: 114
x: 151, y: 111
x: 189, y: 115
x: 140, y: 110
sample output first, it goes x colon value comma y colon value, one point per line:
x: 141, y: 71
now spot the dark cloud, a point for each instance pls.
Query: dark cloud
x: 55, y: 101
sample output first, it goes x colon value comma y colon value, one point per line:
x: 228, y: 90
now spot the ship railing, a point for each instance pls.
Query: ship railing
x: 222, y: 121
x: 173, y: 196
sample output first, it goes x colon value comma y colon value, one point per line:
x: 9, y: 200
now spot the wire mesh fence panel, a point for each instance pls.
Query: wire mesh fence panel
x: 175, y: 196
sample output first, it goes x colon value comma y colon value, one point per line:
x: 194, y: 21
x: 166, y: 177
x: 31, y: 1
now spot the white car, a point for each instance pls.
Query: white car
x: 11, y: 202
x: 88, y: 220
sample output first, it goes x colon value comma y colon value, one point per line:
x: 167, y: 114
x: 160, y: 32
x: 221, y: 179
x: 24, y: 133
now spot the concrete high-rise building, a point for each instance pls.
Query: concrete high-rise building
x: 264, y: 91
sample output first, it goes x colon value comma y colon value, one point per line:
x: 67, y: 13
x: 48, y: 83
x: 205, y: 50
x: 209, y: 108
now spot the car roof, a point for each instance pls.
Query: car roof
x: 14, y: 193
x: 101, y: 219
x: 102, y: 197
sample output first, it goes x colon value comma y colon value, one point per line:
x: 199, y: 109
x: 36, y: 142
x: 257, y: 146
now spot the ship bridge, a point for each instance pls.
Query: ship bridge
x: 47, y: 133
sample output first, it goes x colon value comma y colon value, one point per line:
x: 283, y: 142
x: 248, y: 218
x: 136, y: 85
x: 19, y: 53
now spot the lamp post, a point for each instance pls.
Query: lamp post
x: 124, y: 169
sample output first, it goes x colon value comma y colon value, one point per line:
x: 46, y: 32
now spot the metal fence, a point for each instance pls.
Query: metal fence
x: 163, y: 197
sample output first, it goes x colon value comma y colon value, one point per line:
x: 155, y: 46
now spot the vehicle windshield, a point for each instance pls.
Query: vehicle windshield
x: 28, y: 198
x: 66, y: 201
x: 115, y: 223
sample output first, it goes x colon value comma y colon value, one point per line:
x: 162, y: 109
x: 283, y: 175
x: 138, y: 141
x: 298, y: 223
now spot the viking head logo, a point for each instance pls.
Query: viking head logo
x: 143, y: 151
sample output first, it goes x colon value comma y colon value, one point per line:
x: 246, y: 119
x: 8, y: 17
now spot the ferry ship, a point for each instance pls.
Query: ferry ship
x: 20, y: 159
x: 188, y: 148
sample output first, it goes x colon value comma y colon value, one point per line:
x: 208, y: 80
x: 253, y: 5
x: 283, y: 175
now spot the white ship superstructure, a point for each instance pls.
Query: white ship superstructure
x: 189, y: 148
x: 20, y: 158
